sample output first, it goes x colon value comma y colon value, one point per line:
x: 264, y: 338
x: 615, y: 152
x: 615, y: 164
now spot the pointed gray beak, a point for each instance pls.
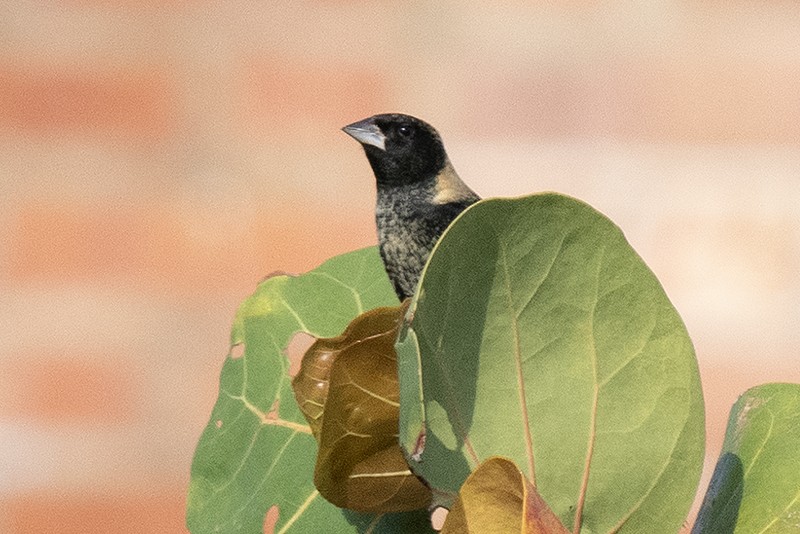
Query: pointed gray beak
x: 366, y: 132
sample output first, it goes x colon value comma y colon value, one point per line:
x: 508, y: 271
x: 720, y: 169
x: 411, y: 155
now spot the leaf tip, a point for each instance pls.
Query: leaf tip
x: 276, y: 274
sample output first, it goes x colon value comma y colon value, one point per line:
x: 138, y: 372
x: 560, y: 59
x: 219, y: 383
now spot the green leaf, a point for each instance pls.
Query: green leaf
x: 257, y: 451
x: 538, y: 334
x: 756, y: 484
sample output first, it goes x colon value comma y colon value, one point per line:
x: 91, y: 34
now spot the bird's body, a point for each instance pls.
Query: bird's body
x: 419, y: 192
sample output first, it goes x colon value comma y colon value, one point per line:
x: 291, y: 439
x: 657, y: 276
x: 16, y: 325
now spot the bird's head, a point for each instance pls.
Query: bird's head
x: 401, y: 149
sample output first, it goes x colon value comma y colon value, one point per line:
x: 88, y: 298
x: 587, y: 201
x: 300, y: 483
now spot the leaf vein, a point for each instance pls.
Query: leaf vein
x: 353, y: 290
x: 545, y: 276
x: 523, y: 399
x: 387, y: 474
x: 595, y: 396
x: 264, y: 419
x: 268, y: 471
x: 300, y: 510
x: 638, y: 352
x: 779, y: 515
x: 374, y: 395
x: 655, y: 482
x: 294, y: 314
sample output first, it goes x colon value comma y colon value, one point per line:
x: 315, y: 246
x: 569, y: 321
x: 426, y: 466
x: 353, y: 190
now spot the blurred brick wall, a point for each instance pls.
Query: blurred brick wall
x: 158, y: 158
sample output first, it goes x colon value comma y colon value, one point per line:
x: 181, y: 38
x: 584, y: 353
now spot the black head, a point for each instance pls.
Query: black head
x: 400, y: 148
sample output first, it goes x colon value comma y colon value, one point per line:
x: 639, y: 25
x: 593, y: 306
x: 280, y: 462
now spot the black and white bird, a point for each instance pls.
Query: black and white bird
x: 419, y: 192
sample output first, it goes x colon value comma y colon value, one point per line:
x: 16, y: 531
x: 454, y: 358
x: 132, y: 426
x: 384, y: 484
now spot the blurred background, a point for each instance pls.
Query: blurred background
x: 157, y: 159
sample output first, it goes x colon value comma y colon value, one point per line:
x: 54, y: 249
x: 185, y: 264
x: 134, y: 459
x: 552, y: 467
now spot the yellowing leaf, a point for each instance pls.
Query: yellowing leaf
x: 497, y: 498
x: 348, y: 391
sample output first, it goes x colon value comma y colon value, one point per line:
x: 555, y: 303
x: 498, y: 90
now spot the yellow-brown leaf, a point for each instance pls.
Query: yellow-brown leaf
x: 348, y: 391
x: 497, y: 498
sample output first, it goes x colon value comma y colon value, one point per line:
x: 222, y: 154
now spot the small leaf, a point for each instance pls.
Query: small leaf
x: 256, y: 454
x: 539, y: 334
x: 497, y: 498
x: 756, y: 484
x: 347, y: 388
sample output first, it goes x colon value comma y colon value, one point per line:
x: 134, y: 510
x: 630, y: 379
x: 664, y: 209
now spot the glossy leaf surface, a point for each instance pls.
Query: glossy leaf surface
x: 540, y: 335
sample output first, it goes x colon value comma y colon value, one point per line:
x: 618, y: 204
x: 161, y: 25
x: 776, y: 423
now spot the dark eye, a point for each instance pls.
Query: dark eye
x: 404, y: 130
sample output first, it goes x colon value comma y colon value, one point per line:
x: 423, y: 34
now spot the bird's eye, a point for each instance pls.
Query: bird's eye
x: 404, y: 130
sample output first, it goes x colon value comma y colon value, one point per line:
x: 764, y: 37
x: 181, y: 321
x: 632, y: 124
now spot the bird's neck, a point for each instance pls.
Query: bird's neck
x: 443, y: 187
x: 448, y: 187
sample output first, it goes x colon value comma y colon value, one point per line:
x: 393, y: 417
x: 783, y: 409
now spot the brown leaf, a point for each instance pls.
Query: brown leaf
x: 497, y: 498
x: 348, y: 391
x: 310, y: 385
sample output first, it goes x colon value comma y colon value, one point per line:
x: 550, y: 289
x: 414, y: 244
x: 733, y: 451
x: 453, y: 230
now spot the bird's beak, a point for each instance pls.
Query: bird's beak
x: 366, y: 132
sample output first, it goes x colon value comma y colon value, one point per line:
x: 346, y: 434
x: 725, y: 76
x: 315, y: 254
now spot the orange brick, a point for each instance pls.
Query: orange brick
x: 135, y: 102
x: 299, y: 240
x: 681, y: 100
x: 133, y: 4
x: 52, y: 241
x: 278, y: 91
x: 68, y: 388
x: 150, y: 247
x: 45, y: 513
x: 703, y: 100
x: 548, y: 102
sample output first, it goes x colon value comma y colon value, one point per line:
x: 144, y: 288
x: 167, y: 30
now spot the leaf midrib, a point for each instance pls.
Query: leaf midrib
x: 523, y: 399
x: 595, y: 394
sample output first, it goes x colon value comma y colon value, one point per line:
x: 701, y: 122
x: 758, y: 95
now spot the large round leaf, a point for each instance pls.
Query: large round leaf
x: 537, y: 333
x: 756, y: 484
x: 257, y: 453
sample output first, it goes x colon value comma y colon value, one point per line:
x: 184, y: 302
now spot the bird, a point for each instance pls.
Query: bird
x: 419, y: 192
